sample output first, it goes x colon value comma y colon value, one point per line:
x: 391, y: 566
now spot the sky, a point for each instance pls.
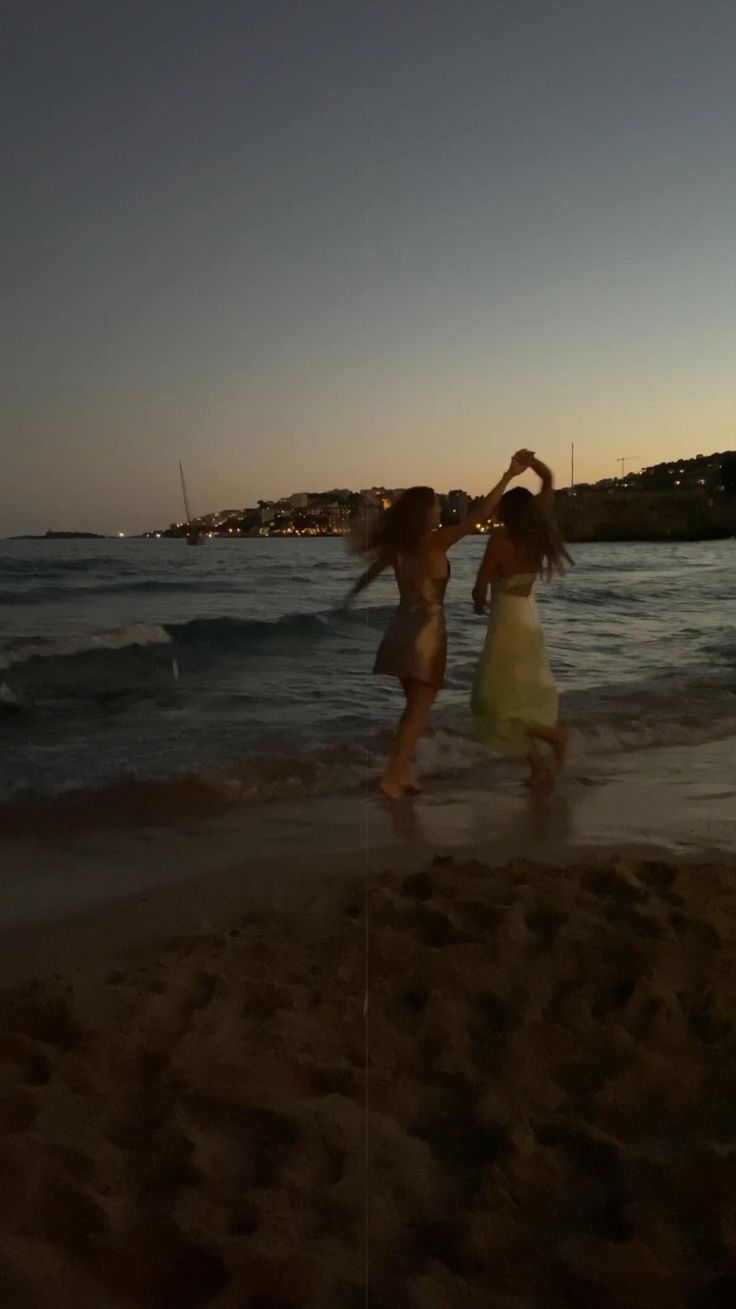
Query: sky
x: 304, y: 244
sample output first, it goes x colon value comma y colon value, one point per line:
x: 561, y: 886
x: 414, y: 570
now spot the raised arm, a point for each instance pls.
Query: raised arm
x: 544, y: 474
x: 379, y: 565
x: 483, y: 510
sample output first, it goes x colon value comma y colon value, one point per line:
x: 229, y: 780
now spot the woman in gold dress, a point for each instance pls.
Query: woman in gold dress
x: 409, y: 539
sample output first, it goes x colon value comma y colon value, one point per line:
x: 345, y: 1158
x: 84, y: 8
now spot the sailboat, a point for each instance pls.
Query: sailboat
x: 194, y: 536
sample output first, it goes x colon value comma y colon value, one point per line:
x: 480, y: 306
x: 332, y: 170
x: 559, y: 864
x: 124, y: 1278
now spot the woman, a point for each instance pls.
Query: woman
x: 409, y: 539
x: 514, y: 699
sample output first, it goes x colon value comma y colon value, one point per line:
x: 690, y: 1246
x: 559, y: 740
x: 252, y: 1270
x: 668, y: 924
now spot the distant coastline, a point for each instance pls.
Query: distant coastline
x: 690, y: 499
x: 59, y: 536
x: 684, y: 500
x: 584, y: 516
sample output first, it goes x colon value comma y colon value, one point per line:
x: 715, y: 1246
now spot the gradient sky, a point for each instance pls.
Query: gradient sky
x: 324, y: 243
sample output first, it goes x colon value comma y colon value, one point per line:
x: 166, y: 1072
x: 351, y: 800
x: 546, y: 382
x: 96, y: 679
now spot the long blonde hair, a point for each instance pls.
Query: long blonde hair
x: 400, y: 529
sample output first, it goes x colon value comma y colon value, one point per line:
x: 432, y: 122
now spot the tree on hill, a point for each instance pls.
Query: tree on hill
x: 728, y: 472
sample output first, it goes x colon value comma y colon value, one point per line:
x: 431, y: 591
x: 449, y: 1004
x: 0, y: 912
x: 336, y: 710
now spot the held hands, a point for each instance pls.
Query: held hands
x: 520, y: 462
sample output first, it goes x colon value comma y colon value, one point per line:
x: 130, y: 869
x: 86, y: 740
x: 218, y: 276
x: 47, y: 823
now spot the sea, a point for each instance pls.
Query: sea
x: 145, y: 663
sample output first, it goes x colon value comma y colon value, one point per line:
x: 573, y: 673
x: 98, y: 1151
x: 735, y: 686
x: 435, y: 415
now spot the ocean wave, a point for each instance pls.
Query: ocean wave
x: 603, y: 724
x: 165, y: 799
x: 625, y: 600
x: 243, y: 631
x: 48, y: 566
x: 218, y: 635
x: 68, y: 595
x: 119, y: 638
x: 225, y: 632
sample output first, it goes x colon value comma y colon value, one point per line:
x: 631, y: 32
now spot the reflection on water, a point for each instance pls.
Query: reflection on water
x: 506, y: 817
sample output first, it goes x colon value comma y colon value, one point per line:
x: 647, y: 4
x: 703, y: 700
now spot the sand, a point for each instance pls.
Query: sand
x: 538, y: 1109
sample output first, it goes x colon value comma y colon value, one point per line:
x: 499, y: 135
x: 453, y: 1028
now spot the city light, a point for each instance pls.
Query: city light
x: 332, y: 514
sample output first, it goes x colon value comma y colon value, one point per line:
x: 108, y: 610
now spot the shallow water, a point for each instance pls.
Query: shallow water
x: 147, y: 659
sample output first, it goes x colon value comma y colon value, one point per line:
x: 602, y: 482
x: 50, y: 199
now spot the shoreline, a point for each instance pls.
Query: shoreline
x: 170, y: 801
x: 717, y: 533
x: 477, y: 1049
x: 673, y: 800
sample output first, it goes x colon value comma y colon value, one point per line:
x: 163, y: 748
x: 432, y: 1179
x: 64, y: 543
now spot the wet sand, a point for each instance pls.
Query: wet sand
x: 534, y: 1108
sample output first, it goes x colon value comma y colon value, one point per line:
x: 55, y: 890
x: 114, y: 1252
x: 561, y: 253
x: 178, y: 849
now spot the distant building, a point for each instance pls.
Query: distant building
x: 708, y: 479
x: 337, y: 518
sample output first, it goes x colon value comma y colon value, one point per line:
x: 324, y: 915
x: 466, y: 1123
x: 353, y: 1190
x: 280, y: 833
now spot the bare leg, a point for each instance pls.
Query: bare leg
x: 386, y: 784
x: 419, y: 701
x: 539, y: 774
x: 411, y: 783
x: 557, y: 737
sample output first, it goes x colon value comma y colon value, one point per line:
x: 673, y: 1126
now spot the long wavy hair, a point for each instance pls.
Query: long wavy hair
x: 402, y: 528
x: 532, y: 525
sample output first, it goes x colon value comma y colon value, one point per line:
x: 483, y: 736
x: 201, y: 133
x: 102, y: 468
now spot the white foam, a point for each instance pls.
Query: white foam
x: 450, y: 749
x: 118, y: 638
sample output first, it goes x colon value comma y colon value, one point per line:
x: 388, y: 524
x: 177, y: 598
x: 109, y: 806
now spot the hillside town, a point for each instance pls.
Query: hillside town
x: 700, y: 483
x: 319, y: 513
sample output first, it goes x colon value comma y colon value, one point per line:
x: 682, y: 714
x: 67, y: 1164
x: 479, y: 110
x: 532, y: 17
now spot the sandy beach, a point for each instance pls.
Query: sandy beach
x: 474, y: 1053
x: 368, y: 871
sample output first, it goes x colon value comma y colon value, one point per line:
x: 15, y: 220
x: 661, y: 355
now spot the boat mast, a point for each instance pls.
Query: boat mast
x: 187, y: 506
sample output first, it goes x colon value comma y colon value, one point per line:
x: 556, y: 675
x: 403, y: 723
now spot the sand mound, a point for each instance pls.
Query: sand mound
x: 546, y: 1115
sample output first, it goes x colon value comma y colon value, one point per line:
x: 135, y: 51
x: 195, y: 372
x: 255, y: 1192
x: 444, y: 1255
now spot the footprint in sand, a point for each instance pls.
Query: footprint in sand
x: 18, y: 1110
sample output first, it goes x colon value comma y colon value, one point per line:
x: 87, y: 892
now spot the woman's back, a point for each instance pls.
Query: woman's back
x: 515, y: 584
x: 422, y: 574
x: 513, y: 569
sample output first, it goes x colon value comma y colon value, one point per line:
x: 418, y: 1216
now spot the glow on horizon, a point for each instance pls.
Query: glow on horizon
x: 300, y: 250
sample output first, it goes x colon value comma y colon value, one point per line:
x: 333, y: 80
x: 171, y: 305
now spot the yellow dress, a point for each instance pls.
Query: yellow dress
x: 513, y: 685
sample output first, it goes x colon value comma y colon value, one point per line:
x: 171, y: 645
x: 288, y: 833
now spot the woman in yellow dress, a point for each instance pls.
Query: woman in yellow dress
x: 514, y: 699
x: 409, y: 539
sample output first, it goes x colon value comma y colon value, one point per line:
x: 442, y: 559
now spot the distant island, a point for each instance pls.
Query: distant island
x: 62, y: 536
x: 682, y: 500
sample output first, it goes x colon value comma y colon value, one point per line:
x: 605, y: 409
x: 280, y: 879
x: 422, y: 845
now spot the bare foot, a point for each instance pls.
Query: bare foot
x: 412, y: 785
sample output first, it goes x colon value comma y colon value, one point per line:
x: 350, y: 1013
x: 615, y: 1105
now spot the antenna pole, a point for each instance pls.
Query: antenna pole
x: 627, y: 459
x: 187, y: 509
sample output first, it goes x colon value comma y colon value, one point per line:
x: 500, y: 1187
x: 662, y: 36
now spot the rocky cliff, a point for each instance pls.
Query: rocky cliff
x: 645, y: 516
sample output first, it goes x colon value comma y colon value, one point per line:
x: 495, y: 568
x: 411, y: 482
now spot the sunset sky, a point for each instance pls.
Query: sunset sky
x: 326, y: 243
